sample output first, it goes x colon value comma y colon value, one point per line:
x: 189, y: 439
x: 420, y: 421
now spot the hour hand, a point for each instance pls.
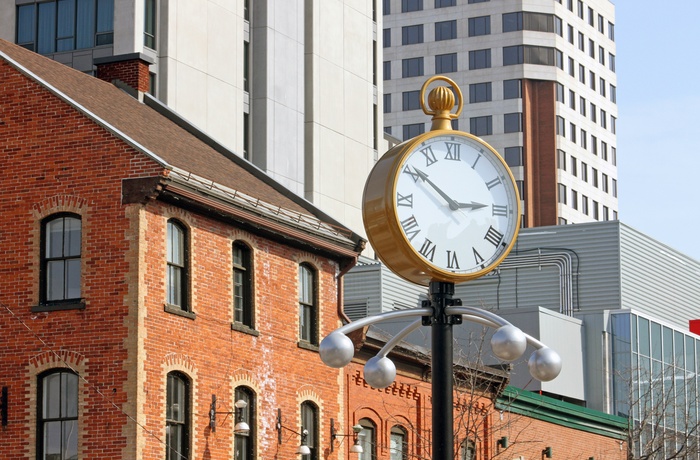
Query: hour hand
x: 471, y: 205
x: 424, y: 177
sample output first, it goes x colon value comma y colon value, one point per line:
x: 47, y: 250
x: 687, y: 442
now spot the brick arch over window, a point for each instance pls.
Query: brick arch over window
x: 50, y: 362
x: 42, y: 210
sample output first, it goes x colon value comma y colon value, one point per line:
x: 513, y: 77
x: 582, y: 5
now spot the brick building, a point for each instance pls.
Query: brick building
x: 145, y: 271
x: 150, y: 280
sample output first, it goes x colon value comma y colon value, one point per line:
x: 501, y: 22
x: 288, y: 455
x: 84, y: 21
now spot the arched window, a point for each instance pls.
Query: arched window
x: 60, y: 259
x: 399, y: 443
x: 309, y: 422
x: 368, y: 440
x: 467, y: 450
x: 57, y: 430
x: 307, y: 304
x: 177, y: 417
x: 242, y: 285
x: 244, y: 448
x: 178, y: 266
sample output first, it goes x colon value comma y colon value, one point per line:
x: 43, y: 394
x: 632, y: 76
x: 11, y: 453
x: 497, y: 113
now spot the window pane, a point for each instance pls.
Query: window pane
x: 511, y: 89
x: 445, y: 63
x: 55, y: 277
x: 46, y: 35
x: 66, y: 25
x: 85, y: 24
x: 174, y: 285
x: 445, y: 30
x: 25, y: 24
x: 52, y: 440
x: 54, y: 238
x: 105, y: 16
x: 69, y: 404
x: 52, y: 396
x: 73, y: 279
x: 71, y: 237
x: 70, y: 439
x: 513, y: 156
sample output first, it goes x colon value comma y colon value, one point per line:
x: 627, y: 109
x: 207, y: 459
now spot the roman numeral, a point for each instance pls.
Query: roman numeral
x: 408, y: 171
x: 499, y: 210
x: 452, y: 260
x: 452, y: 151
x: 492, y: 183
x: 404, y: 200
x: 408, y: 226
x: 493, y: 236
x: 429, y: 155
x: 478, y: 157
x: 427, y: 250
x: 477, y: 257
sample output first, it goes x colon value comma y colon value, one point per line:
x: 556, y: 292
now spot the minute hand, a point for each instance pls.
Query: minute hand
x: 452, y: 203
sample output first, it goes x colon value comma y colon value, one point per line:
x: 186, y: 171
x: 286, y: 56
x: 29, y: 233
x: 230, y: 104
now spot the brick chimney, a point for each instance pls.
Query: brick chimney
x: 131, y: 69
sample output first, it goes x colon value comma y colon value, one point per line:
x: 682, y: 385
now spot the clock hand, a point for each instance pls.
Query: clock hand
x: 452, y: 203
x: 472, y: 205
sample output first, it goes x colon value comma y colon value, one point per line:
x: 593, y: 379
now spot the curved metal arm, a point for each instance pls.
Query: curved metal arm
x: 383, y: 316
x: 398, y: 337
x: 489, y: 319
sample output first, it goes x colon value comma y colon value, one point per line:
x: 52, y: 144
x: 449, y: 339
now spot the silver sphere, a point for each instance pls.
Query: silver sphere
x: 336, y: 350
x: 508, y: 343
x: 544, y: 364
x: 380, y: 372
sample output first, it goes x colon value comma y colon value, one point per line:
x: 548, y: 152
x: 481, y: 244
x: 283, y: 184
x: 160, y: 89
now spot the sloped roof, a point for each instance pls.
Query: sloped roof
x: 160, y: 137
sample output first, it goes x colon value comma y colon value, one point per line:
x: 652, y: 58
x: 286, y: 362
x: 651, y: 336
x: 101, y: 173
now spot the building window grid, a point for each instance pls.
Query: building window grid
x: 57, y: 26
x: 242, y: 285
x: 177, y: 417
x: 177, y: 265
x: 411, y: 35
x: 479, y: 26
x: 446, y: 63
x: 445, y: 30
x: 308, y: 307
x: 480, y: 59
x: 57, y: 415
x: 653, y: 353
x: 411, y: 5
x: 479, y: 92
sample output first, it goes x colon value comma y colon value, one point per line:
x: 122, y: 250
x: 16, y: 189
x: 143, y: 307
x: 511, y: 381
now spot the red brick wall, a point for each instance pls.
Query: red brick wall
x: 540, y: 153
x: 54, y: 160
x: 123, y: 343
x: 133, y: 72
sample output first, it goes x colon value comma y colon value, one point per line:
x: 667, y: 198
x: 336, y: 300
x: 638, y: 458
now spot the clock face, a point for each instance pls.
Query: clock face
x: 456, y: 204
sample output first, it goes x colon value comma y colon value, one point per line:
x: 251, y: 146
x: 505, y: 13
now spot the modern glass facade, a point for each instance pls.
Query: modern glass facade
x: 65, y: 25
x: 655, y: 384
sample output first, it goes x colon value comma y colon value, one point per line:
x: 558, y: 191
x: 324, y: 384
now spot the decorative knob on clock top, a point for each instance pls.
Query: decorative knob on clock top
x: 442, y: 206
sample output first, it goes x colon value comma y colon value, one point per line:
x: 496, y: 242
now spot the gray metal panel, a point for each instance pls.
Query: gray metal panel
x: 398, y: 294
x: 594, y: 252
x: 362, y: 291
x: 658, y: 280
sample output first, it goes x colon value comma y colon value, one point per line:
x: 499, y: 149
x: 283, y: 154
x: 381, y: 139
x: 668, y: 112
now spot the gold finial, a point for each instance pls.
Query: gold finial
x: 441, y: 101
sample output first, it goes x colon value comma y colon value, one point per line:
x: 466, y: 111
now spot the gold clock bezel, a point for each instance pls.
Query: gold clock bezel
x: 384, y: 228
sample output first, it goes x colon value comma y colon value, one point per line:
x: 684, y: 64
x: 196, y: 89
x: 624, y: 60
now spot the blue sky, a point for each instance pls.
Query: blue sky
x: 658, y: 128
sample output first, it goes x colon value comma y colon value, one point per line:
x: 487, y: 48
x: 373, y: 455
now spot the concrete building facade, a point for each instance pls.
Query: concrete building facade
x: 539, y: 85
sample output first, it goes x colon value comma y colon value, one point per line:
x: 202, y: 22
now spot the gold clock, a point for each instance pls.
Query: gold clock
x: 444, y: 205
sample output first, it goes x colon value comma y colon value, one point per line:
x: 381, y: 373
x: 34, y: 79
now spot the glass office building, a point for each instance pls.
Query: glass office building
x: 655, y: 384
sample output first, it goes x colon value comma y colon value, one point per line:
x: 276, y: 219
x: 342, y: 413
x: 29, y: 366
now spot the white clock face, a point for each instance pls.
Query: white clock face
x: 456, y: 203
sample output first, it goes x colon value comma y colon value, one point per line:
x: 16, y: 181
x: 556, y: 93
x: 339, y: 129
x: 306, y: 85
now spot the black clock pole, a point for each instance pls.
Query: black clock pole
x: 442, y: 365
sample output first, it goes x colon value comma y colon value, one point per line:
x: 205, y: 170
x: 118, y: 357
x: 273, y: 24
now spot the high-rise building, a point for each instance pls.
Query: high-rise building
x: 538, y: 82
x: 291, y: 85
